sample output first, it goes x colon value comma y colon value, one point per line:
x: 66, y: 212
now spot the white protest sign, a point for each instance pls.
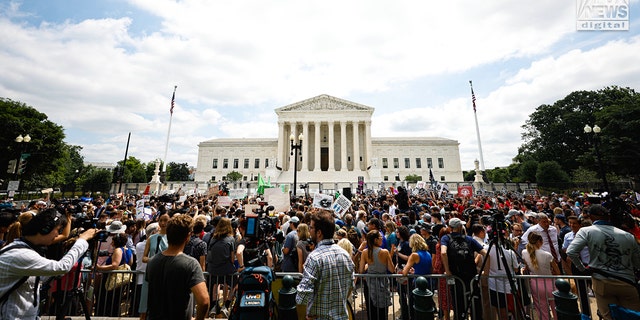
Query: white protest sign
x: 278, y: 199
x: 238, y: 193
x: 341, y: 205
x: 322, y: 201
x: 224, y: 201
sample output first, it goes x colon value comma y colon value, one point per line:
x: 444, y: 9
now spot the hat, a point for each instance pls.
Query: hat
x: 151, y: 228
x: 116, y: 227
x: 512, y: 213
x: 455, y: 223
x: 41, y: 203
x: 294, y: 220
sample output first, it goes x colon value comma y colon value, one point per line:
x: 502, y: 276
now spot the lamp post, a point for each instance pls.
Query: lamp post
x: 22, y: 141
x: 596, y: 145
x: 295, y: 148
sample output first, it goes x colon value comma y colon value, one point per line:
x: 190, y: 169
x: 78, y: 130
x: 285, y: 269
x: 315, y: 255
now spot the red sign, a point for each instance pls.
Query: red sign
x: 465, y: 191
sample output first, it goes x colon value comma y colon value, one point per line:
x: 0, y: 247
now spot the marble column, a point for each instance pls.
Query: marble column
x: 343, y: 146
x: 367, y: 144
x: 305, y: 146
x: 317, y: 141
x: 356, y: 146
x: 332, y: 146
x: 281, y: 143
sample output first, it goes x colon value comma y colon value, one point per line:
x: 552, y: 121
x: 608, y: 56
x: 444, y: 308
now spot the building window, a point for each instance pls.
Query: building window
x: 349, y: 158
x: 429, y: 163
x: 396, y: 163
x: 225, y: 164
x: 385, y: 163
x: 440, y: 163
x: 244, y: 178
x: 266, y: 163
x: 256, y: 163
x: 215, y: 163
x: 213, y: 178
x: 418, y: 163
x: 236, y: 163
x: 407, y: 163
x: 360, y: 159
x: 246, y: 163
x: 386, y: 178
x: 441, y: 178
x: 398, y: 177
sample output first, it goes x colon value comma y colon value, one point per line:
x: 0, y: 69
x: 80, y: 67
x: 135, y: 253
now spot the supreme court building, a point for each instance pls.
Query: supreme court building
x: 337, y: 146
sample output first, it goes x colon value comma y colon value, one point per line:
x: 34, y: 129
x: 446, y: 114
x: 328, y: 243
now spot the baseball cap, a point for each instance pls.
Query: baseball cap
x: 455, y: 223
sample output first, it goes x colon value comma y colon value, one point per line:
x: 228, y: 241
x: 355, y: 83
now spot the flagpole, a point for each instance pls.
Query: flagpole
x: 475, y: 115
x: 166, y: 146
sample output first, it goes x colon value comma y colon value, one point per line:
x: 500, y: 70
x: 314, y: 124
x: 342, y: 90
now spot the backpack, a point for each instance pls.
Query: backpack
x: 254, y: 299
x: 461, y: 262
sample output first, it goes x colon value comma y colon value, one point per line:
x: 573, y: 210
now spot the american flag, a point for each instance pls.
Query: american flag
x: 473, y: 97
x: 173, y: 101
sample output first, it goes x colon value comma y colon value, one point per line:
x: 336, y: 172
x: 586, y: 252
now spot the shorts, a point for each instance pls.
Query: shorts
x: 228, y: 279
x: 502, y: 300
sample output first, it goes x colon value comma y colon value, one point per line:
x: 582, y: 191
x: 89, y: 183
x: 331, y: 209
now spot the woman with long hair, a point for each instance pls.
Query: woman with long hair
x: 419, y: 261
x: 540, y: 262
x: 377, y: 261
x: 109, y: 304
x: 220, y: 258
x: 304, y: 245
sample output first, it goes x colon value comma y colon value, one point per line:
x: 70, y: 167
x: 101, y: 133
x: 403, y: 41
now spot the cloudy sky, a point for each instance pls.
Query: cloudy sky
x: 105, y: 68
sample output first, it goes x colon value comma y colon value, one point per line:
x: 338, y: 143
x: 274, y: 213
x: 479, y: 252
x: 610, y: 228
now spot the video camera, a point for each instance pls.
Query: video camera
x: 93, y: 223
x: 497, y: 222
x: 260, y: 226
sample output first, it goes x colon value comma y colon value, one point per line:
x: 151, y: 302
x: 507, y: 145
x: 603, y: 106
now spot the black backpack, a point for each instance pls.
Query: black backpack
x: 460, y: 255
x: 254, y: 300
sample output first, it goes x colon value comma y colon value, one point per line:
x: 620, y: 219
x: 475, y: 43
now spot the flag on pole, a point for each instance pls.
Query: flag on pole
x: 473, y: 97
x: 173, y: 101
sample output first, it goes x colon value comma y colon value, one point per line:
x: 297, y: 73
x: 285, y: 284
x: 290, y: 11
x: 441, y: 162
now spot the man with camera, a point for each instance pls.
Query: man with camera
x: 22, y: 263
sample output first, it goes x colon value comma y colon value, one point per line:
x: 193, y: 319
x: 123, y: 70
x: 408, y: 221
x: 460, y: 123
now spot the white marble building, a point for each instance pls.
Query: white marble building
x: 337, y: 146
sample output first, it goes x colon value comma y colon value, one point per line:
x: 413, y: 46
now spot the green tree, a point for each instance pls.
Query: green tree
x: 413, y: 178
x: 179, y: 172
x: 45, y: 148
x: 94, y: 179
x: 556, y: 132
x: 468, y: 175
x: 499, y: 175
x: 550, y: 173
x: 135, y: 171
x: 527, y: 171
x: 234, y: 176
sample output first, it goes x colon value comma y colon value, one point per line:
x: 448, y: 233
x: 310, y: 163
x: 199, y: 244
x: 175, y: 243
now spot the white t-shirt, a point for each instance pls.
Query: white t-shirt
x: 501, y: 284
x: 544, y: 262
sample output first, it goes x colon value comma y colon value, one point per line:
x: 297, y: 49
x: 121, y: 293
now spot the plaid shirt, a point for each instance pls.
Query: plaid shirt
x: 326, y: 282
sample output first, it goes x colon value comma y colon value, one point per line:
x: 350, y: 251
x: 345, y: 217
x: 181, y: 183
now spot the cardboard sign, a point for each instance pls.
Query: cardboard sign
x: 322, y: 201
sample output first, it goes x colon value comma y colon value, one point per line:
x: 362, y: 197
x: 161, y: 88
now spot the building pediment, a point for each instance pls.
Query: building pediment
x: 324, y: 103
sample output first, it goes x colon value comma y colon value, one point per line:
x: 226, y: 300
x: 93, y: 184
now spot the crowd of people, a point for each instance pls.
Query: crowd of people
x: 395, y: 231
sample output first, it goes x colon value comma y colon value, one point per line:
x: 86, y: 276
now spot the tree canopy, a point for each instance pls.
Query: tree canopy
x: 556, y: 133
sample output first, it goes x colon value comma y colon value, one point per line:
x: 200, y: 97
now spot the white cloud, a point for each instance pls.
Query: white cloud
x: 236, y: 61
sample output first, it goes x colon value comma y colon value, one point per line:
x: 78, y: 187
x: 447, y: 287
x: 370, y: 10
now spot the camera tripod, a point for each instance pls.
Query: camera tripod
x: 497, y: 243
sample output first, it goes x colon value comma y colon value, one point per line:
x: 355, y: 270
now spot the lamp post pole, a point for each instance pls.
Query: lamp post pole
x: 295, y: 148
x: 596, y: 145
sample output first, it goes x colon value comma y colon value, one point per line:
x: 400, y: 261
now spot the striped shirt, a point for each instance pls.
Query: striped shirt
x: 326, y: 282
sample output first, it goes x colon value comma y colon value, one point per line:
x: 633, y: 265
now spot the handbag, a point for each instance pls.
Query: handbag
x: 119, y: 279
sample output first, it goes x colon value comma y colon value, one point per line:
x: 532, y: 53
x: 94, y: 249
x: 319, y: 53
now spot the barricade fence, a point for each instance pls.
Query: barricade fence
x: 374, y: 296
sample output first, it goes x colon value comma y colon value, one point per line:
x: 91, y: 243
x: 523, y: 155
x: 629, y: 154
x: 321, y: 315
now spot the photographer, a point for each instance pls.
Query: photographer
x: 22, y: 263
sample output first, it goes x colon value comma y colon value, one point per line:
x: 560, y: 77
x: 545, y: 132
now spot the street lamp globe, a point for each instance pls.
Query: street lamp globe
x: 300, y: 137
x: 596, y: 129
x: 587, y: 128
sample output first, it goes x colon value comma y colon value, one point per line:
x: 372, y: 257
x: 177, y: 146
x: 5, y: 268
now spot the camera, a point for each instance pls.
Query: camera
x: 496, y: 220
